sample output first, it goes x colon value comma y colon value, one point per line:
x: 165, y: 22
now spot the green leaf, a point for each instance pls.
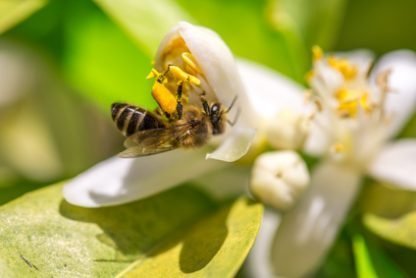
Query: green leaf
x: 14, y: 11
x: 213, y: 247
x: 371, y: 261
x: 363, y: 262
x: 147, y: 21
x: 400, y: 231
x: 44, y: 236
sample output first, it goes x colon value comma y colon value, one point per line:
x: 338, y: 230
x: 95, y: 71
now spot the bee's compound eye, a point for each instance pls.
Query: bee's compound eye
x: 215, y: 107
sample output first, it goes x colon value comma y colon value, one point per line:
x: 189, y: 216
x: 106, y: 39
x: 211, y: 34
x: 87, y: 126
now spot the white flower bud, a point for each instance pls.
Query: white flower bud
x: 288, y: 130
x: 279, y: 178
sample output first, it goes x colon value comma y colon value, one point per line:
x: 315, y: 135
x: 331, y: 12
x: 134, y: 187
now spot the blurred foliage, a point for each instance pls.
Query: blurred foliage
x: 371, y: 260
x: 379, y: 25
x: 13, y: 11
x: 339, y: 261
x: 109, y: 240
x: 400, y: 231
x: 147, y: 21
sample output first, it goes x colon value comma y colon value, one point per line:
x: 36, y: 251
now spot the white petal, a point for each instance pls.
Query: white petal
x: 219, y: 68
x: 216, y: 62
x: 396, y: 164
x: 226, y: 183
x: 306, y: 233
x: 318, y: 139
x: 120, y: 180
x: 235, y: 145
x: 269, y: 91
x: 401, y: 102
x: 258, y: 262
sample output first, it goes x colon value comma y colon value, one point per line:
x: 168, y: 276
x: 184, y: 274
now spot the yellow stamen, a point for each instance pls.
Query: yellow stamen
x: 338, y: 148
x: 153, y: 73
x: 349, y: 101
x: 181, y: 75
x: 190, y: 62
x: 317, y: 53
x: 348, y: 70
x: 310, y: 75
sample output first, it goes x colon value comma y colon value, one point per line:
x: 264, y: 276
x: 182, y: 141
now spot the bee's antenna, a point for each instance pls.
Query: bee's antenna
x: 231, y: 105
x: 232, y: 123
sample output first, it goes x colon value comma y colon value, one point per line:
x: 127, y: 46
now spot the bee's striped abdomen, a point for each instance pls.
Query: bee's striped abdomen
x: 130, y: 119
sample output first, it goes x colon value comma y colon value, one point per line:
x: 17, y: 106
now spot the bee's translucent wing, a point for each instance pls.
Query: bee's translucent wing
x: 148, y: 142
x: 153, y: 141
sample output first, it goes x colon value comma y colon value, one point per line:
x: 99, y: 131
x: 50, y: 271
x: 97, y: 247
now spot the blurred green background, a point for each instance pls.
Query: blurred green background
x: 62, y: 63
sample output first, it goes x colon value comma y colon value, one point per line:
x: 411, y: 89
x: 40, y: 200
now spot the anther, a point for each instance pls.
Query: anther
x: 179, y: 74
x: 190, y: 62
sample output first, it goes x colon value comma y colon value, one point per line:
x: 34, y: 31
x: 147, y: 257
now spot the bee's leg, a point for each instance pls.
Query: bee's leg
x: 162, y: 76
x: 159, y: 113
x: 179, y: 106
x: 205, y: 104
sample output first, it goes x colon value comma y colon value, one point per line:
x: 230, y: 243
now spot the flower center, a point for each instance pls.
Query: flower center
x: 352, y: 106
x: 348, y: 70
x: 351, y: 100
x: 173, y: 84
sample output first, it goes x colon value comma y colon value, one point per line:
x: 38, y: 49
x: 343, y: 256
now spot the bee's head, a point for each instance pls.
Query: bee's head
x: 215, y: 118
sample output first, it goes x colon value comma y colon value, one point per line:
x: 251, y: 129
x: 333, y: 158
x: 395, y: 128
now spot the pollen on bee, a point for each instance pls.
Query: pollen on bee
x: 166, y: 100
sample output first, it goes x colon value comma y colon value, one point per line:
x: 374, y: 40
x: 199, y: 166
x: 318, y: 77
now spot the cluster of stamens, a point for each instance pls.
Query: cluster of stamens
x: 172, y: 85
x: 352, y: 98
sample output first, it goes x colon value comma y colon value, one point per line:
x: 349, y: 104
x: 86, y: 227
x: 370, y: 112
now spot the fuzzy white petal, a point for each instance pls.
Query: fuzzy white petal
x: 226, y: 183
x: 120, y: 180
x: 258, y: 262
x: 318, y: 139
x: 269, y: 91
x: 234, y: 146
x: 396, y: 164
x: 306, y: 232
x: 401, y: 102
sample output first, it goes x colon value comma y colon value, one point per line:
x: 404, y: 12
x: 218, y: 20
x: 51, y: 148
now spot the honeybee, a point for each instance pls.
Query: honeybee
x: 148, y: 133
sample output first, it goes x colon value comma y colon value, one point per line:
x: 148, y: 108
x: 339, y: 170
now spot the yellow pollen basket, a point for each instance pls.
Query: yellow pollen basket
x: 169, y: 89
x: 344, y: 66
x: 349, y: 102
x: 166, y: 100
